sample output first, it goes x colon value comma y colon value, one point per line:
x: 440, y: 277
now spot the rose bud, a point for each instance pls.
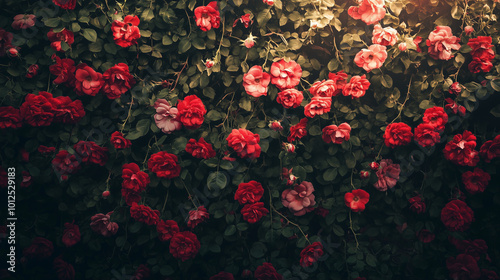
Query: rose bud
x: 13, y: 52
x: 275, y: 125
x: 455, y: 88
x: 268, y: 2
x: 290, y: 148
x: 291, y: 180
x: 364, y: 174
x: 249, y: 41
x: 314, y: 24
x: 468, y: 30
x: 32, y: 71
x: 209, y: 63
x: 374, y: 166
x: 402, y: 47
x: 246, y: 273
x: 105, y: 194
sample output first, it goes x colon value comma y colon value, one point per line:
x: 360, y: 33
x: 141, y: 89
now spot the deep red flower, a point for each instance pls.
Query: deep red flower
x: 142, y: 272
x: 184, y: 245
x: 38, y: 110
x: 197, y: 216
x: 130, y: 196
x: 475, y: 182
x: 66, y: 110
x: 10, y: 117
x: 126, y: 32
x: 310, y: 254
x: 318, y: 106
x: 245, y: 143
x: 65, y: 70
x: 200, y: 149
x: 454, y: 107
x: 417, y: 204
x: 64, y: 270
x: 56, y: 39
x: 463, y: 267
x: 425, y: 236
x: 480, y: 43
x: 101, y: 223
x: 144, y: 214
x: 456, y: 215
x: 39, y: 249
x: 436, y: 117
x: 46, y: 150
x: 133, y: 178
x: 461, y: 151
x: 252, y: 213
x: 65, y: 4
x: 191, y: 111
x: 356, y: 200
x: 119, y: 142
x: 250, y: 192
x: 426, y: 135
x: 167, y: 229
x: 207, y: 17
x: 65, y: 163
x: 489, y: 275
x: 71, y: 234
x: 298, y: 131
x: 89, y: 151
x: 455, y: 88
x: 336, y: 134
x: 300, y: 200
x: 245, y: 19
x: 490, y: 149
x: 475, y: 248
x: 387, y: 174
x: 479, y: 64
x: 267, y: 272
x: 397, y: 134
x: 87, y: 80
x: 285, y: 74
x: 290, y: 98
x: 357, y: 87
x: 222, y: 276
x: 164, y: 165
x: 32, y: 71
x: 117, y: 81
x: 275, y: 125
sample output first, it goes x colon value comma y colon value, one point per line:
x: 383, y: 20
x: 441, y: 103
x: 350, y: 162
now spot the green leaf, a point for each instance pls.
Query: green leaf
x: 386, y: 81
x: 199, y: 43
x: 330, y: 174
x: 90, y: 34
x: 245, y: 104
x: 263, y: 17
x: 337, y: 230
x: 371, y: 260
x: 184, y: 45
x: 258, y: 250
x: 147, y: 15
x: 216, y: 181
x: 230, y: 230
x: 52, y: 22
x: 350, y: 161
x: 142, y: 126
x: 166, y: 40
x: 146, y: 49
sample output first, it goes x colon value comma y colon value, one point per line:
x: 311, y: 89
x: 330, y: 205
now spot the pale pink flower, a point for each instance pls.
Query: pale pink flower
x: 285, y: 75
x: 166, y: 116
x: 369, y: 11
x: 388, y: 175
x: 23, y: 21
x: 441, y: 42
x: 384, y: 36
x: 371, y: 58
x: 255, y: 81
x: 300, y: 200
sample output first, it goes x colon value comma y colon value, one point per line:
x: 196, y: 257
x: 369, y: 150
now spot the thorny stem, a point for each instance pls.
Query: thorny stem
x: 128, y: 115
x: 352, y: 229
x: 352, y: 173
x: 165, y: 202
x: 179, y: 74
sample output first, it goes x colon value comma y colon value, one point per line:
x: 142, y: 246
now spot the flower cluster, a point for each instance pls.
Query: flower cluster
x: 482, y: 54
x: 249, y: 194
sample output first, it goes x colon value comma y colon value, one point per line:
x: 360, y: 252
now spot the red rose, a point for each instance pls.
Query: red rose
x: 39, y: 249
x: 397, y: 134
x: 87, y: 80
x: 489, y: 275
x: 38, y: 110
x: 285, y: 75
x: 417, y: 204
x: 119, y: 142
x: 65, y: 163
x: 200, y: 149
x: 475, y: 182
x: 290, y: 98
x: 426, y: 135
x: 356, y: 200
x: 164, y: 165
x: 456, y: 215
x: 490, y: 149
x: 65, y: 4
x: 101, y: 223
x: 454, y: 107
x: 245, y: 143
x: 56, y: 39
x: 191, y: 112
x: 71, y: 234
x: 374, y: 165
x: 475, y: 248
x: 126, y: 32
x: 67, y: 111
x: 267, y: 272
x: 252, y: 213
x: 463, y: 267
x: 320, y: 211
x: 117, y: 80
x: 222, y: 276
x: 144, y: 214
x: 64, y: 270
x: 130, y: 196
x: 318, y: 106
x: 478, y: 64
x: 89, y: 151
x: 300, y: 200
x: 357, y: 87
x: 184, y: 245
x: 245, y: 19
x: 436, y: 117
x: 32, y: 71
x: 143, y: 272
x: 336, y: 134
x: 197, y: 216
x: 298, y: 131
x: 387, y: 174
x: 133, y: 178
x: 461, y: 151
x: 46, y: 150
x: 64, y: 69
x: 250, y: 192
x: 275, y: 125
x: 480, y: 43
x: 10, y: 117
x: 340, y: 80
x: 425, y: 236
x: 310, y: 254
x: 207, y: 17
x: 455, y: 88
x: 324, y: 88
x: 167, y: 229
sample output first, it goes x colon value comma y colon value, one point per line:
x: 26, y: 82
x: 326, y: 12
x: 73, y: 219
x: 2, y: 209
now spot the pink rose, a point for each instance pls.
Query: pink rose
x: 300, y: 200
x: 369, y: 11
x: 388, y: 175
x: 336, y: 134
x: 207, y: 17
x: 318, y: 106
x: 23, y: 21
x: 166, y: 117
x: 468, y: 30
x: 290, y: 98
x: 324, y: 88
x: 255, y: 81
x: 285, y: 74
x: 371, y: 58
x: 356, y: 87
x: 441, y: 42
x: 384, y: 36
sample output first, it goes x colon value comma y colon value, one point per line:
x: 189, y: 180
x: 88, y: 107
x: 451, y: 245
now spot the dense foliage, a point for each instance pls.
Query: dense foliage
x: 285, y: 139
